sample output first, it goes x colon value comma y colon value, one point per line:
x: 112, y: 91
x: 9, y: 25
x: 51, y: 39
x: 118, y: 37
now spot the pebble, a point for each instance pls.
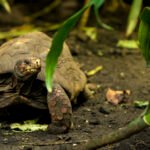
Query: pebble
x: 104, y: 110
x: 94, y: 122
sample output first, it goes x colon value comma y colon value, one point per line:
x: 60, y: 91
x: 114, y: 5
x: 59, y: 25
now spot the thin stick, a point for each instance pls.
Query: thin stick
x: 85, y: 16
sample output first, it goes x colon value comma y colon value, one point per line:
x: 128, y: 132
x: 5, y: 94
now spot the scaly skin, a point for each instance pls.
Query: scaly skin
x: 60, y: 109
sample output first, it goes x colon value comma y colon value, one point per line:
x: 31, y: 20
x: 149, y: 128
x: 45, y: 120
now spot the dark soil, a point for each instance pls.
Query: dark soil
x: 123, y: 69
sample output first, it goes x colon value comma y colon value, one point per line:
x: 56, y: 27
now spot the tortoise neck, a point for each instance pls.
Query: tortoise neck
x: 21, y: 86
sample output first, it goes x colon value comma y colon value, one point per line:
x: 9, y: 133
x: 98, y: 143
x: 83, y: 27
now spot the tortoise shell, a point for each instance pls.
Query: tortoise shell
x: 37, y: 44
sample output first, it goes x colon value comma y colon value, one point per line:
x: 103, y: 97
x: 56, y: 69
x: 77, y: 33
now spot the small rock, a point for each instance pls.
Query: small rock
x: 145, y: 92
x: 94, y: 122
x: 5, y: 140
x: 122, y: 75
x: 104, y: 110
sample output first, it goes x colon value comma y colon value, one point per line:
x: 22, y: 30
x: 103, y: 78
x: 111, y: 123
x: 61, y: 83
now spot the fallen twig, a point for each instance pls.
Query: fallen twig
x: 85, y: 16
x: 52, y: 142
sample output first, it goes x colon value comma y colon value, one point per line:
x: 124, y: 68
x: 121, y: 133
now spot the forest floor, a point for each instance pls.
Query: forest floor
x: 123, y: 69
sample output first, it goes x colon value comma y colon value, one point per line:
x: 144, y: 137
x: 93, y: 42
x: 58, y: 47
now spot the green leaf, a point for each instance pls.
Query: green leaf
x: 99, y: 3
x: 141, y: 103
x: 132, y: 44
x: 146, y: 119
x: 6, y: 5
x: 28, y: 126
x: 144, y: 36
x: 91, y: 32
x: 146, y: 115
x: 57, y: 43
x: 133, y: 16
x: 145, y: 16
x: 96, y: 10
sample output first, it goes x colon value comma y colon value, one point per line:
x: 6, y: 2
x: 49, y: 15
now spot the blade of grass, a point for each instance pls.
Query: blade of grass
x: 144, y: 34
x: 146, y: 116
x: 133, y: 16
x: 96, y: 11
x: 144, y: 39
x: 6, y: 5
x: 57, y: 43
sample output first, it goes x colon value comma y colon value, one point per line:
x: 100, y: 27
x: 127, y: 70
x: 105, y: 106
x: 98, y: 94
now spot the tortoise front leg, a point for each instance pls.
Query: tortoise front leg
x: 60, y: 110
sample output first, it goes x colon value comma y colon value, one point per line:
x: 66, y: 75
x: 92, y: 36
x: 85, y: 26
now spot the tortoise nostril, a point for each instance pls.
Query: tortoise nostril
x: 38, y: 62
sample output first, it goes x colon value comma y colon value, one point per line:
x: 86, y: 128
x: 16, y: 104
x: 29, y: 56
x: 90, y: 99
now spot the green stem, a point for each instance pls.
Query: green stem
x: 133, y: 127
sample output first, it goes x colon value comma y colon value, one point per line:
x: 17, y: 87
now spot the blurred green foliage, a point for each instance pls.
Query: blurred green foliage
x: 6, y: 5
x: 133, y: 16
x: 144, y: 39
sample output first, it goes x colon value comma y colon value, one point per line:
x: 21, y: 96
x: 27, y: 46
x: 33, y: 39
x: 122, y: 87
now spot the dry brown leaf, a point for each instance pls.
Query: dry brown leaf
x: 117, y: 96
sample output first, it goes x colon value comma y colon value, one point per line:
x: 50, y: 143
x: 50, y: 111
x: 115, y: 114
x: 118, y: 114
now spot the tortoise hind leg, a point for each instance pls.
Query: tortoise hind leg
x: 87, y: 92
x: 60, y: 110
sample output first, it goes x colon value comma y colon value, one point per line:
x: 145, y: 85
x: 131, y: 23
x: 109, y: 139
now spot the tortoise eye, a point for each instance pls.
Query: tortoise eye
x: 27, y: 62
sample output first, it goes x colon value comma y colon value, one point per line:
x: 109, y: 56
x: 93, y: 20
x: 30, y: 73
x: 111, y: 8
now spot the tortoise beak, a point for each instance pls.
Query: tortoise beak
x: 33, y: 66
x: 27, y: 67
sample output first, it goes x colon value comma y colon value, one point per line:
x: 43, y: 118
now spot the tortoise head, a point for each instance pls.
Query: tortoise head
x: 27, y: 68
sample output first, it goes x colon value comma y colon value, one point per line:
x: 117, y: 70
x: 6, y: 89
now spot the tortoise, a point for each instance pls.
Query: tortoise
x: 22, y: 79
